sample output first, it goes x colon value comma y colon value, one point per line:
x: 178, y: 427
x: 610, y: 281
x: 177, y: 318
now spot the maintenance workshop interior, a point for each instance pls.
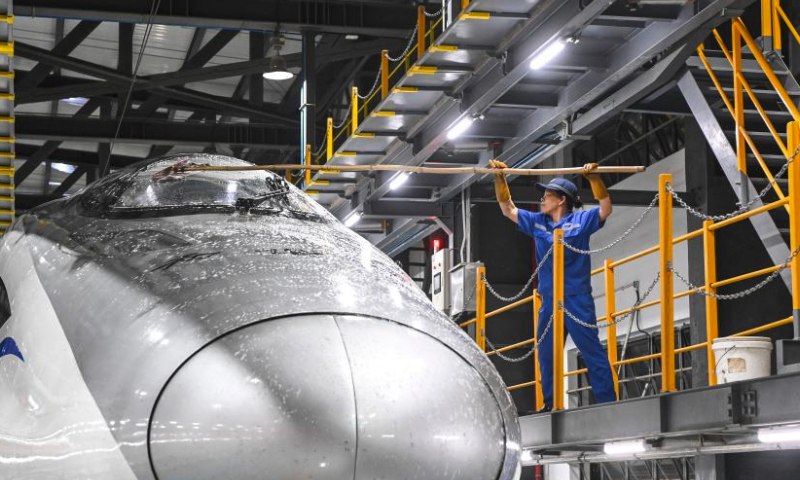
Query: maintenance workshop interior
x: 399, y: 239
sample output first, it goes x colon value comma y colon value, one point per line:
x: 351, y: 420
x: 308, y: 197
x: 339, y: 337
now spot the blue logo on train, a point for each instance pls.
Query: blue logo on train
x: 9, y: 347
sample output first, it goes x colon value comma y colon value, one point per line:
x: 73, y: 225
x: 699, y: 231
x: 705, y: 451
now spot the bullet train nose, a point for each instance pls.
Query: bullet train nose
x: 327, y: 397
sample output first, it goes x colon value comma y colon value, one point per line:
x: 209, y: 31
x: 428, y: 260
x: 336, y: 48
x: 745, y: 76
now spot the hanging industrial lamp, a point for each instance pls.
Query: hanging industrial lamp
x: 277, y: 64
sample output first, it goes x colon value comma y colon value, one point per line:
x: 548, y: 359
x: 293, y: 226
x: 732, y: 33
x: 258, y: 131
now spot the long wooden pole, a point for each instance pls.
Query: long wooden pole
x: 410, y: 169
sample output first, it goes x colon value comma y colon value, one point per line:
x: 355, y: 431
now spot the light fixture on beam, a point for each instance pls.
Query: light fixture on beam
x: 399, y: 180
x: 527, y: 456
x: 352, y: 219
x: 626, y: 447
x: 460, y: 127
x: 779, y: 434
x: 77, y: 101
x: 548, y: 54
x: 277, y: 64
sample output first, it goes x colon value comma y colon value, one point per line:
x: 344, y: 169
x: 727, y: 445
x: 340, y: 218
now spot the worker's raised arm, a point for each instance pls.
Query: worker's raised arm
x: 599, y: 190
x: 503, y: 193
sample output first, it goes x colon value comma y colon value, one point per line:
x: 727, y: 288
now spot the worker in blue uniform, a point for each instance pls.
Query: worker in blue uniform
x: 558, y: 210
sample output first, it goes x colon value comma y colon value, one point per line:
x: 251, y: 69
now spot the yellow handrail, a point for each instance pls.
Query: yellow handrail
x: 385, y: 80
x: 788, y: 22
x: 750, y: 94
x: 741, y: 133
x: 558, y: 319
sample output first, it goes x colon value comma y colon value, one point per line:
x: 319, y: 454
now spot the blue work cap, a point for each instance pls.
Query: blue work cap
x: 560, y: 185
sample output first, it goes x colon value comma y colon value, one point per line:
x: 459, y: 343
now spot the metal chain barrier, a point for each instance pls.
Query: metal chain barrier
x: 741, y: 209
x: 322, y: 145
x: 372, y: 89
x: 621, y: 238
x: 411, y: 42
x: 743, y: 293
x: 527, y: 355
x: 434, y: 14
x: 525, y: 288
x: 619, y: 319
x: 344, y: 120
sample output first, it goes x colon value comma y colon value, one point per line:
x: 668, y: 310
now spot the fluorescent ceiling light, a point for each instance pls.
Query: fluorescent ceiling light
x: 626, y: 447
x: 527, y: 456
x: 398, y: 181
x: 77, y: 101
x: 277, y: 64
x: 548, y: 54
x: 779, y: 435
x: 351, y: 36
x: 352, y: 219
x: 63, y: 167
x: 460, y: 128
x: 278, y: 75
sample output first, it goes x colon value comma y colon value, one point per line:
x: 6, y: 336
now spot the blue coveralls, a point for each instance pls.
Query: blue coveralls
x: 578, y: 227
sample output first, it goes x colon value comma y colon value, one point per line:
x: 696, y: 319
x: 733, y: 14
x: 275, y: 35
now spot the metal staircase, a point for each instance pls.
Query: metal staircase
x: 476, y: 67
x: 753, y: 159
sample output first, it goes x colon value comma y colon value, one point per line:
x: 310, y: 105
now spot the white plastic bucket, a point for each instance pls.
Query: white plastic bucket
x: 742, y: 358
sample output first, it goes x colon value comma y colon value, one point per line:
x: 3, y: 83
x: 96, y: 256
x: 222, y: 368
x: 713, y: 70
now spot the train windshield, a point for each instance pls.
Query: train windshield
x: 164, y: 186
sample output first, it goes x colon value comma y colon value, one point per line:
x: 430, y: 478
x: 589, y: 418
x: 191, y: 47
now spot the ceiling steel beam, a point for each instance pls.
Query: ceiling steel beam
x: 156, y: 132
x: 68, y: 156
x: 419, y: 210
x: 68, y: 182
x: 380, y: 20
x: 193, y: 60
x: 50, y: 146
x: 123, y: 80
x: 180, y: 77
x: 63, y: 48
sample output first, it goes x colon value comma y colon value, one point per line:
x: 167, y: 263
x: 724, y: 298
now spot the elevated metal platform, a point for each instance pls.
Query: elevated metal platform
x: 479, y: 70
x: 720, y: 419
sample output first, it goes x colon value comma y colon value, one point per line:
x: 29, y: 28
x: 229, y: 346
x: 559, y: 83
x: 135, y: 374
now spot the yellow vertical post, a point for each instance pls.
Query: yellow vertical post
x: 354, y: 111
x: 667, y: 292
x: 738, y: 106
x: 793, y: 140
x: 480, y: 307
x: 537, y: 373
x: 611, y: 307
x: 384, y: 74
x: 464, y: 4
x: 420, y: 32
x: 777, y: 43
x: 766, y: 20
x: 558, y: 320
x: 308, y: 162
x: 329, y: 140
x: 710, y: 264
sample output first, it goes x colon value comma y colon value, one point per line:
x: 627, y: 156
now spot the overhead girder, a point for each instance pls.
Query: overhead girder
x: 374, y: 19
x: 123, y: 82
x: 155, y: 132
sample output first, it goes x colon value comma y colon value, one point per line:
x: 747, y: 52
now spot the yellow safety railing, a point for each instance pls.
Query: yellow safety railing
x: 772, y: 14
x: 667, y: 242
x: 407, y: 64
